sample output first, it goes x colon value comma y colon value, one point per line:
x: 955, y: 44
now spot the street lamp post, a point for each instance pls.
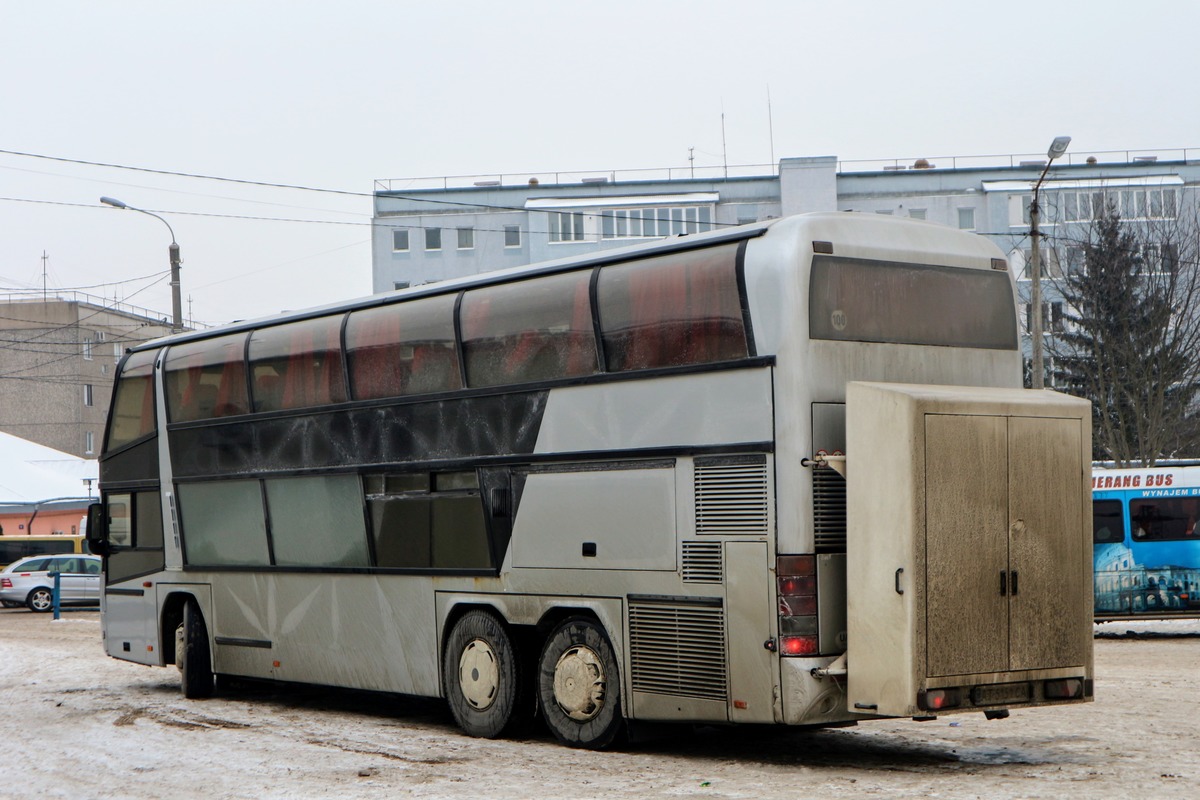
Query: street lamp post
x: 173, y: 252
x: 1038, y: 377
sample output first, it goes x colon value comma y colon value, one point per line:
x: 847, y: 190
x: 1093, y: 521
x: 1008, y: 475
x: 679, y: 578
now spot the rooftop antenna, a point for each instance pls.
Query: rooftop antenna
x: 45, y: 258
x: 692, y: 160
x: 724, y: 149
x: 770, y: 126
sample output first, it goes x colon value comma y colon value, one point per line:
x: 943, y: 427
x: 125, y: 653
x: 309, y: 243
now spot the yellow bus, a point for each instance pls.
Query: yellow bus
x: 13, y: 548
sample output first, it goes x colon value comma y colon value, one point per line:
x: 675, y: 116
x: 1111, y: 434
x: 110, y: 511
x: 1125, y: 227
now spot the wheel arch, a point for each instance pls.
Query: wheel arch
x: 171, y: 617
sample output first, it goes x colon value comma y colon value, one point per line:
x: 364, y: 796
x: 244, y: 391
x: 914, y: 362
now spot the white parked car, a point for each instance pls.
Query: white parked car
x: 30, y: 581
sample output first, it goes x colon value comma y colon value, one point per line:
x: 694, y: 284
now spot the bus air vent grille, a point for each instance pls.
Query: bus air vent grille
x: 702, y: 562
x: 829, y: 510
x: 731, y: 498
x: 678, y: 650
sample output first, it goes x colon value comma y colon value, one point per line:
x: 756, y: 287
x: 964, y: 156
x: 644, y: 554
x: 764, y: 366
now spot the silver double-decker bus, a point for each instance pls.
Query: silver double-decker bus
x: 780, y: 473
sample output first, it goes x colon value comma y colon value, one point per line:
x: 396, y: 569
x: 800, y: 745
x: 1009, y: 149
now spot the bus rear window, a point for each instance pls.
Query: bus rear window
x: 855, y: 300
x: 297, y: 365
x: 133, y: 402
x: 672, y: 310
x: 207, y: 379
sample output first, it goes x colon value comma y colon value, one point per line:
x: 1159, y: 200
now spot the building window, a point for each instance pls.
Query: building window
x: 87, y: 348
x: 89, y: 442
x: 565, y: 226
x: 400, y: 241
x: 88, y: 395
x: 512, y: 235
x: 966, y: 219
x: 466, y: 238
x: 433, y: 238
x: 641, y: 223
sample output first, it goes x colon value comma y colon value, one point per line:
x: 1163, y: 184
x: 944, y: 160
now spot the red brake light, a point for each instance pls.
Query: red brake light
x: 793, y: 585
x: 796, y: 584
x: 1065, y: 689
x: 798, y: 645
x: 938, y: 699
x: 5, y: 583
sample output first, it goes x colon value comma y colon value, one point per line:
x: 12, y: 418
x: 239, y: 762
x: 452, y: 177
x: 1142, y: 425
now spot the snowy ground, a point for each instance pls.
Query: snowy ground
x: 80, y: 725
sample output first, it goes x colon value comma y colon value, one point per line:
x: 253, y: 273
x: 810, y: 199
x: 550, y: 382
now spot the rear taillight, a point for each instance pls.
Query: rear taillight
x: 796, y: 581
x: 1065, y: 689
x: 5, y: 583
x: 939, y: 699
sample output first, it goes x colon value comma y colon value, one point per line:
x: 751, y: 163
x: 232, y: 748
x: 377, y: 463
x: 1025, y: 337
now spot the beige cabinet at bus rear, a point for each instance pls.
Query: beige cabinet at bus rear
x: 968, y: 542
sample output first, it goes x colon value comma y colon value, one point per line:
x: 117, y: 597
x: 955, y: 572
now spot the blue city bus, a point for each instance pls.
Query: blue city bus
x: 1146, y: 553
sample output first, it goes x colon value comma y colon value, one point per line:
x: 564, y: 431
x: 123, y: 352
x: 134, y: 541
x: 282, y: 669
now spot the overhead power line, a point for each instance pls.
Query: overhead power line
x: 275, y: 185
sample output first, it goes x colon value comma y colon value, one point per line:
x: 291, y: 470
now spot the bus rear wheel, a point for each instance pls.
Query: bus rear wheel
x: 579, y: 687
x: 192, y: 654
x: 479, y: 668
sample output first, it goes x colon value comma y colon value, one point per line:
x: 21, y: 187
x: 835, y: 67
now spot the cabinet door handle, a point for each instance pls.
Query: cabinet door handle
x: 899, y: 588
x: 1003, y: 583
x: 1014, y: 583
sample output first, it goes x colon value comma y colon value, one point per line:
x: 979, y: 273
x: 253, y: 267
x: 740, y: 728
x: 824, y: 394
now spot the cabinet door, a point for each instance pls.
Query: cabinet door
x: 1046, y: 545
x: 966, y: 540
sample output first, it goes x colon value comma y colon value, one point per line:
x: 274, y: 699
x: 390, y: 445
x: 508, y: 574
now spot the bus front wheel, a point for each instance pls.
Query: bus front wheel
x: 192, y: 654
x: 479, y: 668
x: 578, y: 685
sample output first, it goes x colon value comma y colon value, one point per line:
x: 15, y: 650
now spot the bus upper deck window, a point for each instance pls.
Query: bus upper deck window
x: 207, y: 379
x: 529, y: 331
x: 297, y: 365
x: 672, y: 310
x: 133, y: 402
x: 403, y: 349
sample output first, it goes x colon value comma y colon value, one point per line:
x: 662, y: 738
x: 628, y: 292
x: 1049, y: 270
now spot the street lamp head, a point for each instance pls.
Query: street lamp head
x: 1058, y: 147
x: 112, y: 201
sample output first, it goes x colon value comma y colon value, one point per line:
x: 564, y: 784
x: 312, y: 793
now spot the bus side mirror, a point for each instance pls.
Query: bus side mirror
x: 97, y: 529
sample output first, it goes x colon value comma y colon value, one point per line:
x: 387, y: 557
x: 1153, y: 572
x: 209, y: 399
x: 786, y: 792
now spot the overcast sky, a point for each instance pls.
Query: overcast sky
x: 336, y: 95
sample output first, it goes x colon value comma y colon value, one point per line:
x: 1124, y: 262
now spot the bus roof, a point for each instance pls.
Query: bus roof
x: 662, y: 247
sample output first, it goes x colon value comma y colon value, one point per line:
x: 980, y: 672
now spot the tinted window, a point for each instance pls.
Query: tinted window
x: 876, y: 301
x: 318, y: 521
x: 1108, y: 523
x: 672, y: 310
x: 35, y: 565
x: 533, y: 330
x: 402, y: 349
x: 421, y: 523
x: 120, y: 520
x: 1166, y: 518
x: 136, y: 530
x: 297, y: 365
x: 207, y: 379
x: 133, y: 401
x: 223, y: 523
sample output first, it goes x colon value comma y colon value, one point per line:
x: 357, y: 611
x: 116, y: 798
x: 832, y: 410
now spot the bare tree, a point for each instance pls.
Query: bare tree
x: 1130, y: 327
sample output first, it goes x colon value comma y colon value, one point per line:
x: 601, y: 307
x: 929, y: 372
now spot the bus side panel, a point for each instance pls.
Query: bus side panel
x: 371, y: 632
x: 129, y: 620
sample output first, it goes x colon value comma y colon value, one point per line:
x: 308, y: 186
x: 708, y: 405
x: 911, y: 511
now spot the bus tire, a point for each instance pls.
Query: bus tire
x: 479, y: 669
x: 193, y: 655
x: 579, y: 687
x: 40, y: 599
